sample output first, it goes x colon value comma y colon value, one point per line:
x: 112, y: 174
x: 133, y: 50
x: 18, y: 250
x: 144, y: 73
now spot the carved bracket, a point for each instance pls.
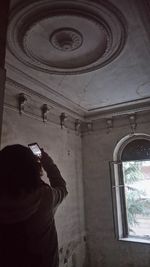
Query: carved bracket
x: 109, y: 124
x: 87, y: 126
x: 45, y: 109
x: 21, y: 102
x: 63, y: 118
x: 132, y: 121
x: 77, y: 125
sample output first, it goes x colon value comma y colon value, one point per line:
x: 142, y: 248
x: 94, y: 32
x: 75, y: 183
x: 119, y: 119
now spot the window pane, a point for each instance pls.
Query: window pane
x: 138, y: 149
x: 136, y: 176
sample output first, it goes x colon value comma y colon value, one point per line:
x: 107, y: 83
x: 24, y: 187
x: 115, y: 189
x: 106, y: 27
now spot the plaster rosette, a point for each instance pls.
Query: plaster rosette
x: 66, y: 37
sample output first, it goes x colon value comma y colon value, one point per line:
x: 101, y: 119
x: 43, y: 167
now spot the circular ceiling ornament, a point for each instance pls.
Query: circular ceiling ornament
x: 66, y: 37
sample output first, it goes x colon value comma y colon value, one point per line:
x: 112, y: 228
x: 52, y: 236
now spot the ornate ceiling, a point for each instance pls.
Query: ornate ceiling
x: 72, y: 37
x: 89, y: 56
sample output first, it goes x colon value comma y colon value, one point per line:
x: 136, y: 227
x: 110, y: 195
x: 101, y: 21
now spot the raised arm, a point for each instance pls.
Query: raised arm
x: 57, y: 182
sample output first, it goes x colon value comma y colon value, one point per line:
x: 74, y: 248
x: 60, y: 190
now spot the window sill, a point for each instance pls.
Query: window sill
x: 136, y: 240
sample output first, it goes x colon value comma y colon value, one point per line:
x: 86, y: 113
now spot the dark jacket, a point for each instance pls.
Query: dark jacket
x: 28, y: 236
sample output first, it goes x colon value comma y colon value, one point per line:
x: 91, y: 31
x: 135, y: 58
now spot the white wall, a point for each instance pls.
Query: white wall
x: 84, y: 163
x: 65, y: 148
x: 103, y: 248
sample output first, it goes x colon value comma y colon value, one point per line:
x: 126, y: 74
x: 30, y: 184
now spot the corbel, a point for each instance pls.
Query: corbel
x: 63, y: 118
x: 132, y: 121
x: 109, y: 124
x: 21, y: 102
x: 77, y: 125
x: 90, y: 126
x: 45, y: 109
x: 87, y: 126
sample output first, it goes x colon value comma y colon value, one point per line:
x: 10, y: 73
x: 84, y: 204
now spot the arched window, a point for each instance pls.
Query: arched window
x: 131, y: 188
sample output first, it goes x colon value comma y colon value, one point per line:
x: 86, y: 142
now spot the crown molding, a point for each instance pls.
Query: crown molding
x: 136, y: 106
x: 121, y: 109
x: 10, y: 83
x: 78, y: 124
x: 51, y: 94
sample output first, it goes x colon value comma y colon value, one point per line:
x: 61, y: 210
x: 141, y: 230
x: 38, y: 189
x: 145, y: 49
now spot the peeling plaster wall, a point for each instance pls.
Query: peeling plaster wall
x: 104, y: 250
x: 65, y: 148
x: 84, y: 163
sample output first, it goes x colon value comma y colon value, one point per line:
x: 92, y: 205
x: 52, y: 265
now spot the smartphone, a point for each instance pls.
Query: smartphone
x: 35, y: 149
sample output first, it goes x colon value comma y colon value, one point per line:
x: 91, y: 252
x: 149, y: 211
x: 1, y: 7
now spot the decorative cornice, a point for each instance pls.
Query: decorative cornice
x: 116, y: 110
x: 121, y: 109
x: 64, y: 118
x: 99, y: 21
x: 29, y: 91
x: 72, y: 106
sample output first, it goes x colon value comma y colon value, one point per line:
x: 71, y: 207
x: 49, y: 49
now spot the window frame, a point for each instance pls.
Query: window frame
x: 118, y: 190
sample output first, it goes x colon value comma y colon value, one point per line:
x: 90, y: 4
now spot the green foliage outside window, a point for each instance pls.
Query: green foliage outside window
x: 136, y: 201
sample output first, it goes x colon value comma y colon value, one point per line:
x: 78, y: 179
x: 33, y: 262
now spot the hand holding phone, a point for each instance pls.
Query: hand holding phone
x: 46, y: 160
x: 35, y: 149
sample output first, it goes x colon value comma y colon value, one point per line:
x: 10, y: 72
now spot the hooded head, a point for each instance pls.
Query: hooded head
x: 19, y: 170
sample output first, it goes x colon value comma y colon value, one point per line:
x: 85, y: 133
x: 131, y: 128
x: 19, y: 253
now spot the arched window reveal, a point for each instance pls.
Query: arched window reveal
x: 131, y: 189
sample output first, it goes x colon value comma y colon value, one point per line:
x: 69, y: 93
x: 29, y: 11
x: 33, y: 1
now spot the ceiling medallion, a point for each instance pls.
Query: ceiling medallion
x: 72, y: 37
x: 66, y: 39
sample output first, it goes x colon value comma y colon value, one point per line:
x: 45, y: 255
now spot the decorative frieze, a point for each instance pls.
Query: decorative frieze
x: 38, y: 107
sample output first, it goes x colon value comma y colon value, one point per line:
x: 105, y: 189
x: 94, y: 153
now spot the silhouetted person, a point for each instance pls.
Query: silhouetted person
x: 28, y: 236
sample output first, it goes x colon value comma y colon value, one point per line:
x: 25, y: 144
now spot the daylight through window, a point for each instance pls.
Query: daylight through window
x: 131, y: 190
x: 136, y: 176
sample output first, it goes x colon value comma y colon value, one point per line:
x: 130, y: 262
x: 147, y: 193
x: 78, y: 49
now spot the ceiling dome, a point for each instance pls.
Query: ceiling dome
x: 66, y: 37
